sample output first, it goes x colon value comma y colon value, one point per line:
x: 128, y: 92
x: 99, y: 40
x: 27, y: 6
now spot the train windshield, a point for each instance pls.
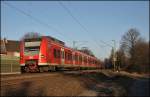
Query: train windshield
x: 32, y: 50
x: 32, y: 47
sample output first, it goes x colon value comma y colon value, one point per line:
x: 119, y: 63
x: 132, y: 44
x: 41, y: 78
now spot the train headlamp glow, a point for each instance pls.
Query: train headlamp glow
x: 42, y: 56
x: 21, y: 57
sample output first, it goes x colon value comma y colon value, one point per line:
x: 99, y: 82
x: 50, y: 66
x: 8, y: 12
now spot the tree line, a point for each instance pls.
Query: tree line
x: 133, y: 53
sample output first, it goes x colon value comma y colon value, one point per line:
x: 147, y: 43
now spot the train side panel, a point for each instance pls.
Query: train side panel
x: 43, y: 52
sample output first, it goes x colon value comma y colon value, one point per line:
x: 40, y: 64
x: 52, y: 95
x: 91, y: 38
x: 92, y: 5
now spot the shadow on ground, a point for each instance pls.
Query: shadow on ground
x: 119, y: 85
x: 23, y: 90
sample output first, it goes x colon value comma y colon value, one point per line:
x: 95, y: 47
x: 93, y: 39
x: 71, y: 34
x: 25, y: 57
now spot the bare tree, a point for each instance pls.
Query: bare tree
x: 142, y: 55
x: 31, y: 35
x: 128, y: 42
x: 107, y: 63
x: 121, y: 58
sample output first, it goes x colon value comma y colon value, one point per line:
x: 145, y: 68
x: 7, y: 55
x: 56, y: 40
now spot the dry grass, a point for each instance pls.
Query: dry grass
x: 7, y: 62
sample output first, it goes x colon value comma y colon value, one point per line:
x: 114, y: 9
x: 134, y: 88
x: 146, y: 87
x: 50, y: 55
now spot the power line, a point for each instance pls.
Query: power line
x: 82, y: 26
x: 69, y: 12
x: 33, y: 18
x: 106, y: 43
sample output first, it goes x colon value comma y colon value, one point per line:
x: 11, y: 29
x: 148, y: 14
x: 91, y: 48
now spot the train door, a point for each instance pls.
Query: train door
x: 62, y: 56
x: 73, y: 57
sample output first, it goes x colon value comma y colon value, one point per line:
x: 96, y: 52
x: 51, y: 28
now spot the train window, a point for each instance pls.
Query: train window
x: 66, y: 55
x: 85, y: 60
x: 32, y: 39
x: 71, y: 57
x: 80, y: 58
x: 55, y: 56
x: 90, y: 61
x: 58, y: 53
x: 76, y: 57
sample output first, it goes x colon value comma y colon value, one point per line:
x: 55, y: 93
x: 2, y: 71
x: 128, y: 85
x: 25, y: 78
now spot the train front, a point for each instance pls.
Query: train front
x: 30, y: 54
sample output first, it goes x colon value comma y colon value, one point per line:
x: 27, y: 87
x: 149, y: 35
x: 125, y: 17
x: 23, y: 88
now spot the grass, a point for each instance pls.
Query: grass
x: 8, y: 62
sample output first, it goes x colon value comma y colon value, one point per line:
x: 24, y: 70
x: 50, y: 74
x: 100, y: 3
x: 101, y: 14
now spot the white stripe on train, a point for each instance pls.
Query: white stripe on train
x: 42, y: 64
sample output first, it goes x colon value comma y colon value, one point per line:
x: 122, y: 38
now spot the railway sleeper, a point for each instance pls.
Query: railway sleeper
x: 52, y: 68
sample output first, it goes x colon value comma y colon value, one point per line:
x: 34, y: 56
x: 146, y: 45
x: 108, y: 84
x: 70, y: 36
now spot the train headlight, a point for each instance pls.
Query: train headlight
x: 21, y: 57
x: 42, y: 56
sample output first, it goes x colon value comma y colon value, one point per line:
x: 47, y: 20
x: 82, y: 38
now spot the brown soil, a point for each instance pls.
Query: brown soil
x: 73, y: 84
x: 58, y: 85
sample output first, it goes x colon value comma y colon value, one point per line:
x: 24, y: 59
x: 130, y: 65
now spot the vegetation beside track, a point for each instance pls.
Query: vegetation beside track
x: 9, y: 64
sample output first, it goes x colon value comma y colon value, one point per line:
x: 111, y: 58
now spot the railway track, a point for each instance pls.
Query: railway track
x: 26, y: 76
x: 44, y: 74
x: 34, y: 75
x: 9, y: 80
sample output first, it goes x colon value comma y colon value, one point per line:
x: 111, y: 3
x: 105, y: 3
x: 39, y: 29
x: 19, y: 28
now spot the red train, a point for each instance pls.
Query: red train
x: 47, y: 53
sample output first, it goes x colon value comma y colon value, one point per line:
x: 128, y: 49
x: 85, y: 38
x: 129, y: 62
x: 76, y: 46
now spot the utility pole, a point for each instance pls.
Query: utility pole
x: 74, y: 44
x: 114, y: 56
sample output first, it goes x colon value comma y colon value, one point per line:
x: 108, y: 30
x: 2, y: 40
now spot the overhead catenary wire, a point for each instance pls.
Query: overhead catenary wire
x: 34, y: 18
x: 106, y: 43
x: 29, y: 10
x: 82, y: 26
x: 49, y: 26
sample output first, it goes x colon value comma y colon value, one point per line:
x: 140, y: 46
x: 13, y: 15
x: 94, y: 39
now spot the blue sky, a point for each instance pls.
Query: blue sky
x: 104, y: 20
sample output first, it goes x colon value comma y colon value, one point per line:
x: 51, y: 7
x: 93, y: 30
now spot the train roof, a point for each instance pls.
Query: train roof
x: 85, y: 54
